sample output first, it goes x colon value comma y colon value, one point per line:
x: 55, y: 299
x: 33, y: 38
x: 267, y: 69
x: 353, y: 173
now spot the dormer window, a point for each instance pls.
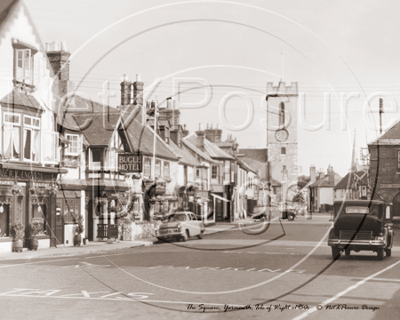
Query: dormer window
x: 23, y: 62
x: 73, y: 145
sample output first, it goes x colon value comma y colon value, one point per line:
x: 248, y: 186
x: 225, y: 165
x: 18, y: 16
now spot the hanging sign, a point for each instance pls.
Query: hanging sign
x: 130, y: 162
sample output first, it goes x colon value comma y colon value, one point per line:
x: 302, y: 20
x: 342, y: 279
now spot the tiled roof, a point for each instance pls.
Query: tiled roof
x: 19, y: 98
x: 348, y: 179
x: 98, y: 133
x: 5, y: 7
x: 390, y: 137
x: 211, y: 148
x: 202, y: 154
x: 323, y: 182
x: 141, y: 139
x: 186, y: 156
x: 245, y: 165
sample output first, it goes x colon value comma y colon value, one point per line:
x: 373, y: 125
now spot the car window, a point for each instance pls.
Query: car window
x: 178, y: 217
x: 193, y: 217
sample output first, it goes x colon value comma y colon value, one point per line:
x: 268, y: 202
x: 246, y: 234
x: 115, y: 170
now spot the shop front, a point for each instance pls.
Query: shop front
x: 27, y: 193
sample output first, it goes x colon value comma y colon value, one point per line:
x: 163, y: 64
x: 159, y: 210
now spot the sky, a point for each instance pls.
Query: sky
x: 216, y: 57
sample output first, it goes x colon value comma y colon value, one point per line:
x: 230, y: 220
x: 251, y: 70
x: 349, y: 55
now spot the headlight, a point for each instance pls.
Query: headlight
x: 179, y: 227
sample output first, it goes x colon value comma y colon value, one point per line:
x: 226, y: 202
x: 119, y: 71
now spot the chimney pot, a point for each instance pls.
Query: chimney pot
x: 64, y: 46
x: 199, y: 126
x: 138, y: 78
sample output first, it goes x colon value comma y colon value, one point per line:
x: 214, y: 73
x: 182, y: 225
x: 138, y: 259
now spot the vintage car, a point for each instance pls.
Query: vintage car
x: 361, y: 225
x: 181, y: 225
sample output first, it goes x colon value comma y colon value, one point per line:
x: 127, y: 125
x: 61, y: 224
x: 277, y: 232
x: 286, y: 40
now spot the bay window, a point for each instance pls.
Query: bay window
x: 31, y: 140
x: 95, y: 159
x: 12, y: 135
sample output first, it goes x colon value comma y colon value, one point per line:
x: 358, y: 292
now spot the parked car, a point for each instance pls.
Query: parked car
x: 181, y: 225
x: 361, y: 225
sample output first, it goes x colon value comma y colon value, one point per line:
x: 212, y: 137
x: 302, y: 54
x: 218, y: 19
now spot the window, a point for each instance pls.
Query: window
x: 283, y: 150
x: 39, y: 211
x: 398, y: 159
x: 95, y: 163
x: 158, y: 168
x: 197, y: 173
x: 24, y: 65
x: 147, y: 168
x: 281, y: 115
x: 12, y: 135
x: 73, y: 146
x: 166, y: 169
x: 31, y: 138
x: 4, y: 220
x: 214, y: 172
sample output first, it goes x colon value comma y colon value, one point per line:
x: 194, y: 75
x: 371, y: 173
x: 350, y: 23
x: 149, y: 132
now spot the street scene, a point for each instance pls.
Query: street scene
x: 199, y: 160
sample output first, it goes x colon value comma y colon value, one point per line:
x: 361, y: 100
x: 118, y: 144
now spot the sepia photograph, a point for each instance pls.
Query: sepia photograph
x: 199, y: 159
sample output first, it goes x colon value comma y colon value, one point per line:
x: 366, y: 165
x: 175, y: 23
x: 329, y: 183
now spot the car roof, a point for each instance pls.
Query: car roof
x: 183, y: 212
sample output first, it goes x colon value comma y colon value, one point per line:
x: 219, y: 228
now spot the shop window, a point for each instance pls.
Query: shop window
x: 4, y: 220
x: 39, y: 211
x: 166, y: 169
x: 74, y: 144
x: 71, y: 210
x: 398, y: 159
x: 147, y: 168
x: 158, y: 168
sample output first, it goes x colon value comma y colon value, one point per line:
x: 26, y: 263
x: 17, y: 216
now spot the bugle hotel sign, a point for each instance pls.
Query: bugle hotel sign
x: 130, y: 162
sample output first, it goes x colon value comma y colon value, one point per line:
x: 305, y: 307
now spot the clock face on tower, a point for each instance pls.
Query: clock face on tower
x: 281, y: 135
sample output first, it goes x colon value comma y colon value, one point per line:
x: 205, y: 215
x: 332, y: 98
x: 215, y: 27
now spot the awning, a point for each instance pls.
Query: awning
x: 220, y: 198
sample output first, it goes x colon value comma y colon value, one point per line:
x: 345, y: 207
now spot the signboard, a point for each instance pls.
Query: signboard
x: 130, y: 162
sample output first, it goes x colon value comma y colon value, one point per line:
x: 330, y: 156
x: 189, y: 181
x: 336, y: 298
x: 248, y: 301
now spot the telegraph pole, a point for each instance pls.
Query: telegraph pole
x: 380, y: 114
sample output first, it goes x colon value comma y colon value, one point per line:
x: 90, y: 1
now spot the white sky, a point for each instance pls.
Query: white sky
x: 329, y: 46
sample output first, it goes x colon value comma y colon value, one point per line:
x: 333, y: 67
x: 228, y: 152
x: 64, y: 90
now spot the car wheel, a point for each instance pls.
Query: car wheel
x: 290, y: 216
x: 200, y: 236
x: 185, y: 236
x: 335, y: 253
x: 380, y: 254
x: 388, y: 252
x: 347, y: 251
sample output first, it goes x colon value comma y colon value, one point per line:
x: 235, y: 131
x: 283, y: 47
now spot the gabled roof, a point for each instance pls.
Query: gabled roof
x: 141, y: 137
x: 211, y: 148
x: 202, y: 154
x: 245, y: 165
x: 97, y: 133
x: 5, y: 9
x: 324, y: 181
x: 390, y: 137
x: 348, y: 179
x: 186, y: 156
x: 21, y: 99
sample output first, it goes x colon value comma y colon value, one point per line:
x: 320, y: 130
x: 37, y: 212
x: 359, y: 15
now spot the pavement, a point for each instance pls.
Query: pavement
x: 97, y: 247
x: 100, y: 247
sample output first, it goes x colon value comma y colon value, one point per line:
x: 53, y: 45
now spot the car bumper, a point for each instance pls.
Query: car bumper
x: 361, y: 244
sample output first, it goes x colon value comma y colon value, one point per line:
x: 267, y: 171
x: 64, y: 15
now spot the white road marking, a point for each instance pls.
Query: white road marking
x: 83, y: 294
x: 23, y: 264
x: 111, y: 294
x: 337, y: 296
x: 87, y: 265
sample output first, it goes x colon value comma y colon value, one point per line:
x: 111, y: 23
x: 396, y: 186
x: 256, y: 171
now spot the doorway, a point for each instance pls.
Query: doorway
x: 219, y: 208
x: 396, y: 206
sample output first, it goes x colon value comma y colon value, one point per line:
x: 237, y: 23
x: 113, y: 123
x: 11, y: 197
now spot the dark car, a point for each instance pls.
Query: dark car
x: 361, y: 225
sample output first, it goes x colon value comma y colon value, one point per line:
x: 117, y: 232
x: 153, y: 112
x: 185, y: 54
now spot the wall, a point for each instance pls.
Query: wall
x: 326, y: 195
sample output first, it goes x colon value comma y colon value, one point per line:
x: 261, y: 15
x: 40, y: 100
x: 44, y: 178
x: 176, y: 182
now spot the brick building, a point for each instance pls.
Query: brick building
x: 384, y: 169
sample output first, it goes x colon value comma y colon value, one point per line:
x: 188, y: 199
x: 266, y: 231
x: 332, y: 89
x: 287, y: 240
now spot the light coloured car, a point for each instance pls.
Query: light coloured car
x: 181, y: 225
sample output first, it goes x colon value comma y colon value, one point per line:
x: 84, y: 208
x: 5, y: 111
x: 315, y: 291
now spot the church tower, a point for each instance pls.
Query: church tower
x: 282, y: 137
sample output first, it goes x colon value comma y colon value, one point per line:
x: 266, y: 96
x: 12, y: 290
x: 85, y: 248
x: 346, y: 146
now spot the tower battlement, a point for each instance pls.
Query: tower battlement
x: 282, y: 88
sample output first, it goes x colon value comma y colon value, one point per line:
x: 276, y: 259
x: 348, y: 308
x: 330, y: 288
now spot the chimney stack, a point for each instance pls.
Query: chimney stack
x: 331, y: 175
x: 59, y: 61
x: 313, y: 174
x: 200, y: 138
x: 213, y: 135
x: 138, y: 91
x: 185, y: 131
x: 125, y: 91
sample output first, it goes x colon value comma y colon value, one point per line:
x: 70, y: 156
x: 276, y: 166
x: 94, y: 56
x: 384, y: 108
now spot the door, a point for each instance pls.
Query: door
x: 219, y: 209
x: 5, y: 220
x: 59, y: 223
